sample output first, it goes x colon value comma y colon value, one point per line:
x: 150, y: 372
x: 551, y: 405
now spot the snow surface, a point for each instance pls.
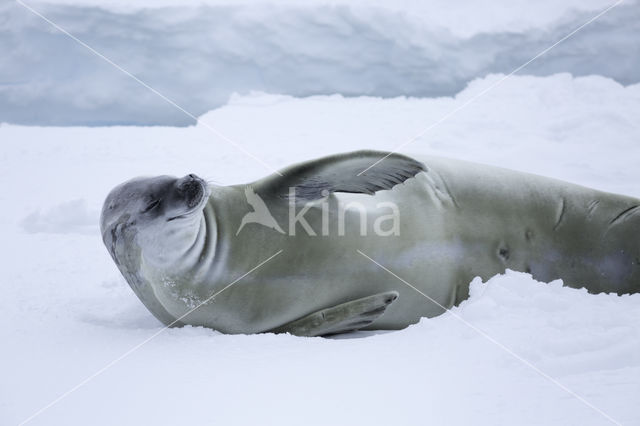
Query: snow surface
x: 67, y: 312
x: 199, y: 53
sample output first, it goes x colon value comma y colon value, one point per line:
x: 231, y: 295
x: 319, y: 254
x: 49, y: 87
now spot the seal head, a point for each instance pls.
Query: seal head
x: 153, y: 222
x: 161, y: 213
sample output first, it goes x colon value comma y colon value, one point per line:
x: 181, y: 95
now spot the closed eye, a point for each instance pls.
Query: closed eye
x: 152, y: 205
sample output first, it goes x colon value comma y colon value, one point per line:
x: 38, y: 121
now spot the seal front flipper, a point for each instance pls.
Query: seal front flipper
x: 349, y: 316
x: 352, y: 172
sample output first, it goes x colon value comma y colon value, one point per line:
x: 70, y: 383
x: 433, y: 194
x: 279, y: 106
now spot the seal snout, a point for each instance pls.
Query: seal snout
x: 192, y: 188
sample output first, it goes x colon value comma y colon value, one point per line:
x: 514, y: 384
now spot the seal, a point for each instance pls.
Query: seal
x: 437, y: 224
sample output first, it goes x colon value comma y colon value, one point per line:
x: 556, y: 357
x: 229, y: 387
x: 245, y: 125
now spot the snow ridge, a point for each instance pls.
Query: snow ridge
x: 199, y: 55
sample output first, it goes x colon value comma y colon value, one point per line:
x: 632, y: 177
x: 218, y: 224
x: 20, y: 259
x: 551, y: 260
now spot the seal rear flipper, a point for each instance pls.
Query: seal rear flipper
x: 349, y: 316
x: 357, y: 172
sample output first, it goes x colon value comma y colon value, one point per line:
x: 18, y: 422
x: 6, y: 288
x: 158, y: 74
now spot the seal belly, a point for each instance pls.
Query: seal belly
x: 322, y: 269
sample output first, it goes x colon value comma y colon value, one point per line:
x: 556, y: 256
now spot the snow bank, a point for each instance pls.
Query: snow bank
x: 199, y: 55
x: 555, y: 327
x: 67, y: 312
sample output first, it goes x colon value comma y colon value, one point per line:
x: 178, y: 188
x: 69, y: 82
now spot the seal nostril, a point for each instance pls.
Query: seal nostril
x: 192, y: 176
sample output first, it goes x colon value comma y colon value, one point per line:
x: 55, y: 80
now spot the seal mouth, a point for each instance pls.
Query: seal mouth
x: 196, y: 193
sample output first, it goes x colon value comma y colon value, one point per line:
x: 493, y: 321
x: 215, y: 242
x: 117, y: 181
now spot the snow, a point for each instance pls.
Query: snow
x: 67, y: 312
x: 69, y: 217
x: 199, y: 53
